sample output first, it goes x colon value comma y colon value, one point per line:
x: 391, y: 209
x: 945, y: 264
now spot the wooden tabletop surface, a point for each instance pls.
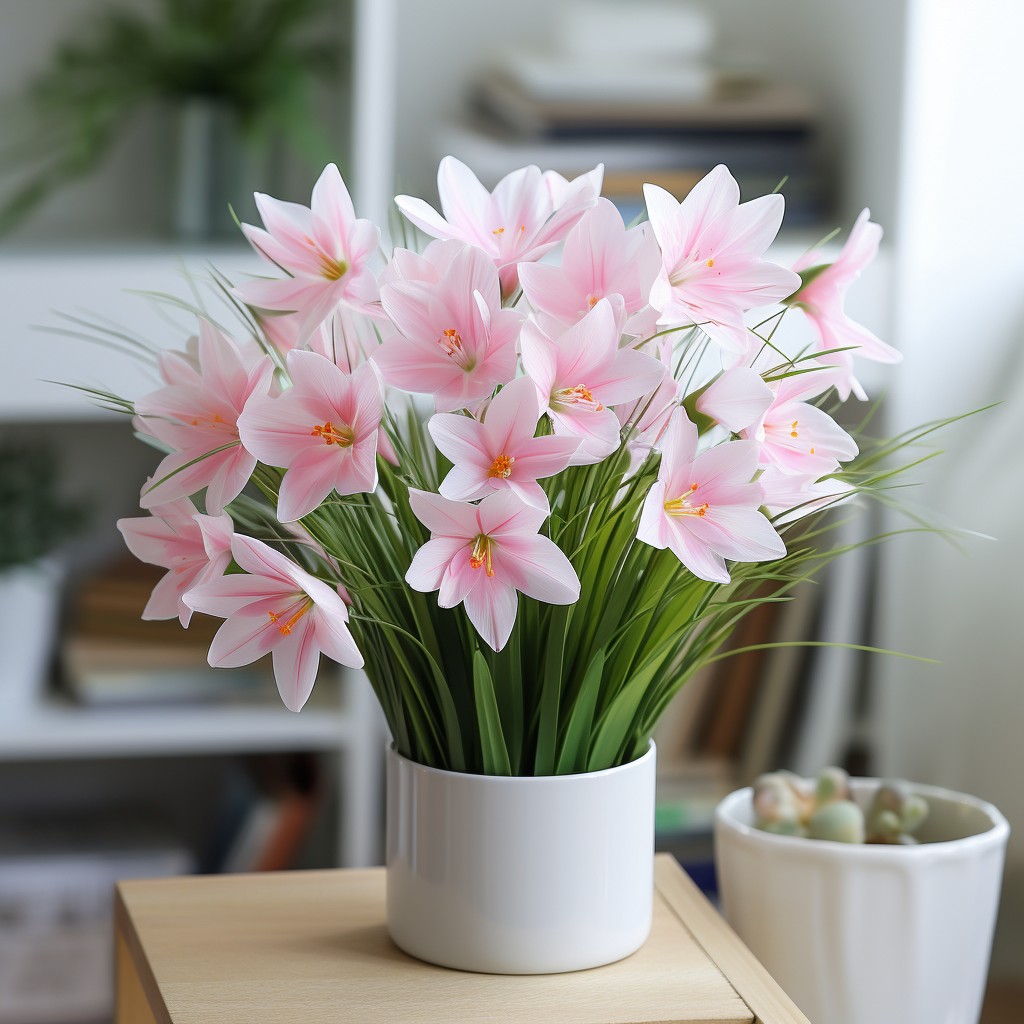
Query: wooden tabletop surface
x: 311, y: 947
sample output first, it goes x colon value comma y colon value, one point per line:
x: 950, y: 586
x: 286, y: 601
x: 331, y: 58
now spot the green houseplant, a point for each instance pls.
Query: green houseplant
x: 237, y: 74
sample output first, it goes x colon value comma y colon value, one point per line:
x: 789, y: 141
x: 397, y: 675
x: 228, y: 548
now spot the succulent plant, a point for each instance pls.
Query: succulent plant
x: 786, y: 805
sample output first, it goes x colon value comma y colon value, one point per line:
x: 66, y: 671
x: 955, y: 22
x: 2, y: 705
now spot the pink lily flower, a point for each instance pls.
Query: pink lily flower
x: 823, y: 300
x: 500, y: 453
x: 796, y: 436
x: 193, y: 548
x: 484, y: 555
x: 582, y: 373
x: 790, y: 496
x: 457, y: 342
x: 276, y: 606
x: 600, y: 258
x: 526, y: 215
x: 197, y: 416
x: 706, y: 507
x: 323, y: 430
x: 325, y: 248
x: 711, y: 246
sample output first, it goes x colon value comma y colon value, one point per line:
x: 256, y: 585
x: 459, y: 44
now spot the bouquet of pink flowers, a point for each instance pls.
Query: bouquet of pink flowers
x: 530, y: 495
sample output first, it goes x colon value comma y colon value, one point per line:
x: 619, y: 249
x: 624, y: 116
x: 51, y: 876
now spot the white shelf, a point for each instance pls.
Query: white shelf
x: 84, y: 282
x: 62, y: 731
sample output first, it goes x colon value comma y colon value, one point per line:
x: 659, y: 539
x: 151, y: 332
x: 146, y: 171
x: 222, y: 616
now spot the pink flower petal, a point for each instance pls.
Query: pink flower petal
x: 491, y: 607
x: 538, y: 568
x: 503, y: 515
x: 248, y: 635
x: 309, y: 480
x: 465, y: 201
x: 296, y: 660
x: 331, y: 203
x: 460, y: 439
x: 332, y: 636
x: 431, y: 561
x: 737, y: 399
x: 227, y: 595
x: 442, y: 516
x: 425, y: 217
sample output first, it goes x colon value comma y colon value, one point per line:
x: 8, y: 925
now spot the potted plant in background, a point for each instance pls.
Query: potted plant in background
x: 610, y: 463
x: 236, y: 75
x: 866, y: 900
x: 36, y: 520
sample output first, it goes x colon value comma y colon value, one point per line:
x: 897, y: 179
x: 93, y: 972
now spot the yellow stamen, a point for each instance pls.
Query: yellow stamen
x: 481, y: 554
x: 332, y: 269
x: 498, y: 231
x: 710, y: 263
x: 342, y: 436
x: 812, y: 451
x: 682, y: 506
x: 793, y: 432
x: 502, y: 467
x: 578, y: 395
x: 285, y: 628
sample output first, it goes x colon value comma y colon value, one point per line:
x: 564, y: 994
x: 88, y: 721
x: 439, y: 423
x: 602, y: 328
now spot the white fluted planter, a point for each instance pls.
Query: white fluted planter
x: 870, y: 934
x: 520, y: 875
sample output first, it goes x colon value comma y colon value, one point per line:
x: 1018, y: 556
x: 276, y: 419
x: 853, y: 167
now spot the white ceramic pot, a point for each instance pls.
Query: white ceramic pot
x: 520, y: 875
x: 29, y: 603
x: 869, y: 934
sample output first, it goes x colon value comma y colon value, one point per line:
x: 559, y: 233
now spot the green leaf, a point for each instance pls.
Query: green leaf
x: 492, y: 740
x: 550, y: 694
x: 573, y: 757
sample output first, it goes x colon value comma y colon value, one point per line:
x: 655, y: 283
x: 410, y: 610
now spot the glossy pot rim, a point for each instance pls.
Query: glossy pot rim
x: 995, y: 835
x: 511, y: 780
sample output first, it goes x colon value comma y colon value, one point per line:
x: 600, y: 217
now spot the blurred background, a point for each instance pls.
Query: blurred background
x: 127, y: 127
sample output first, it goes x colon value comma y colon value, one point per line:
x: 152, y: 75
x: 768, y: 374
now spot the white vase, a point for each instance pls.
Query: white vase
x: 29, y: 602
x: 869, y: 934
x: 509, y: 875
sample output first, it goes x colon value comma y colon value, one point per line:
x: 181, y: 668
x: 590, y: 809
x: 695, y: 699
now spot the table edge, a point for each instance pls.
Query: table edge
x: 762, y: 994
x: 124, y: 928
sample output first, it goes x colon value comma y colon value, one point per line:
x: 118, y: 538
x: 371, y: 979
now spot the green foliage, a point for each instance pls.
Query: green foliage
x: 35, y: 518
x: 258, y: 57
x: 577, y: 688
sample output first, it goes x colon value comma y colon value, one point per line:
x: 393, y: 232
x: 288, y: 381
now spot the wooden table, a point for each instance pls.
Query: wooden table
x: 311, y: 947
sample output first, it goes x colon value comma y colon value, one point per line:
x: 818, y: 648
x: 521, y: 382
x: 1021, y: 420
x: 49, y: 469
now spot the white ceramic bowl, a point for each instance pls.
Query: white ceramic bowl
x: 869, y: 934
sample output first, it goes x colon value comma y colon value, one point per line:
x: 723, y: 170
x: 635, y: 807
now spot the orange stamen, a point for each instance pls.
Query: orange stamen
x: 285, y: 628
x: 481, y: 554
x: 682, y: 506
x: 502, y: 467
x: 498, y: 231
x: 342, y: 436
x: 451, y: 342
x: 710, y: 263
x: 578, y: 395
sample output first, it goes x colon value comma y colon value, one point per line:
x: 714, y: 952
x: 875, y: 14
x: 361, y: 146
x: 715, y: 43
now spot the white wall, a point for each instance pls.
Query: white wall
x: 960, y: 322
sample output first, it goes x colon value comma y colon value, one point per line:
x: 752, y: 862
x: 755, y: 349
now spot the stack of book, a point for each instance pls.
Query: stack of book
x: 661, y: 114
x: 111, y: 655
